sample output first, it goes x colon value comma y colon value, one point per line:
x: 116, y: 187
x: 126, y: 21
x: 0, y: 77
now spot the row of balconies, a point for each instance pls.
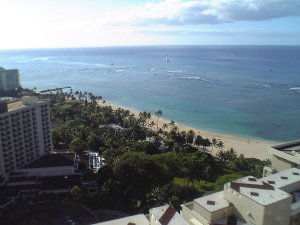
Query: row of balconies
x: 5, y: 135
x: 6, y: 144
x: 5, y: 127
x: 45, y: 122
x: 6, y: 154
x: 5, y: 117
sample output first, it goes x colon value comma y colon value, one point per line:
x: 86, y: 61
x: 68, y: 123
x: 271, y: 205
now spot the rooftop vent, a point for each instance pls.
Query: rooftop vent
x: 296, y: 173
x: 284, y: 178
x: 210, y: 202
x: 271, y: 182
x: 254, y: 194
x: 251, y: 179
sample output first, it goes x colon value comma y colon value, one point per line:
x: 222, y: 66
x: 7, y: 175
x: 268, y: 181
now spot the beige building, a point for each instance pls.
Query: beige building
x: 283, y: 157
x: 25, y: 133
x: 9, y: 79
x: 162, y: 215
x: 271, y: 200
x: 250, y: 201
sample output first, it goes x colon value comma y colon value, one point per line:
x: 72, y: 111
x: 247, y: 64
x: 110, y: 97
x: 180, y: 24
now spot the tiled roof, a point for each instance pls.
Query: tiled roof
x: 167, y: 216
x: 265, y: 186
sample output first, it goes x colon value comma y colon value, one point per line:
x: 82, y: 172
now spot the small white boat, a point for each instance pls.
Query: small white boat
x: 167, y: 59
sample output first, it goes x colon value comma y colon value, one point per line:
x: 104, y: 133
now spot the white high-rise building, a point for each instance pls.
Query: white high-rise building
x: 25, y: 133
x: 9, y: 79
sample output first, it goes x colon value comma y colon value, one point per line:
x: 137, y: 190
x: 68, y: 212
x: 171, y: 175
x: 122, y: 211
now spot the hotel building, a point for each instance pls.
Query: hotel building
x: 9, y: 80
x: 25, y: 133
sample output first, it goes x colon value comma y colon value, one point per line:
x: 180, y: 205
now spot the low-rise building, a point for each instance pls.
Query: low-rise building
x: 270, y: 200
x: 165, y: 215
x: 139, y: 219
x: 283, y: 157
x: 52, y: 173
x: 247, y: 201
x: 273, y: 199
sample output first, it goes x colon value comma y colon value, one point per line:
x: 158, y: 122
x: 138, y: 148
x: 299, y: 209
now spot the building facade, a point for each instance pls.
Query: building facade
x: 9, y: 79
x: 25, y: 133
x: 283, y: 157
x: 272, y: 199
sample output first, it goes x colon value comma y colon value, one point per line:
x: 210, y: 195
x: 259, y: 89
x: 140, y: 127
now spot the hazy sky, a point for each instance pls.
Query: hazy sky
x: 79, y: 23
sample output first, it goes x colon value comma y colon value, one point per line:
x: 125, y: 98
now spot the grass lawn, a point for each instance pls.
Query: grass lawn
x: 200, y: 185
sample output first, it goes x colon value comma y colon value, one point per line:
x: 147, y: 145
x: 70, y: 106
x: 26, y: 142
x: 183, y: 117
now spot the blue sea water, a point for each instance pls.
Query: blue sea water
x: 249, y: 91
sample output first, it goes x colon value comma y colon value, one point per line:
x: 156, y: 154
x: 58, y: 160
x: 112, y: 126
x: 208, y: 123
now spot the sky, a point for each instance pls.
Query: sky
x: 88, y: 23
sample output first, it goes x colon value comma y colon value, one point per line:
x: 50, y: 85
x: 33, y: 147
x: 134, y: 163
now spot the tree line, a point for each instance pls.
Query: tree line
x: 142, y: 158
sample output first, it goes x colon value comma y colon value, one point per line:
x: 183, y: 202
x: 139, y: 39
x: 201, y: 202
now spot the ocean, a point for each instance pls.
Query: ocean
x: 248, y: 91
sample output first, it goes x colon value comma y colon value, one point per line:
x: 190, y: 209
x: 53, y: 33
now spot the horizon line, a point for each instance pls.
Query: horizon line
x: 149, y: 45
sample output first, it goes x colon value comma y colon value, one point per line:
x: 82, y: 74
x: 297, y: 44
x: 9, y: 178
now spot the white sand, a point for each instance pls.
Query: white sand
x: 249, y: 147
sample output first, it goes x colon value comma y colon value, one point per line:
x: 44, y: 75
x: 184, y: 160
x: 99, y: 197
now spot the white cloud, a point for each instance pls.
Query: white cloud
x: 180, y: 12
x: 45, y: 23
x: 183, y: 31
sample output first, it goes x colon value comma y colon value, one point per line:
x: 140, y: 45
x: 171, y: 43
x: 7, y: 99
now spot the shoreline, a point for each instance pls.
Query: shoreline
x: 250, y: 147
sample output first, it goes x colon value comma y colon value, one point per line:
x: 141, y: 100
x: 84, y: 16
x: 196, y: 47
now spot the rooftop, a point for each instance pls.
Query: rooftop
x: 213, y: 202
x: 283, y: 178
x: 139, y: 219
x: 12, y: 106
x: 167, y: 215
x: 257, y: 190
x: 52, y: 160
x: 289, y: 148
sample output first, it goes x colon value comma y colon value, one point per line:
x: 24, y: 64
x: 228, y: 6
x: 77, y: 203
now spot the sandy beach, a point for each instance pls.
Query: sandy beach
x: 249, y: 147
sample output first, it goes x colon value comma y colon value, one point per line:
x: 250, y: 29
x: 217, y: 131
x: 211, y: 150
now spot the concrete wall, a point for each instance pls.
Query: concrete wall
x: 215, y: 215
x: 278, y: 213
x: 2, y: 167
x: 280, y: 164
x: 291, y: 188
x: 254, y: 213
x: 189, y: 214
x: 249, y: 210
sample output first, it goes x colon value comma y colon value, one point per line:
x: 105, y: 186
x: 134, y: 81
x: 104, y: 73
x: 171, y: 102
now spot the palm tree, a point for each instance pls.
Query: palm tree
x: 214, y: 143
x: 198, y: 141
x: 190, y: 136
x: 220, y: 145
x: 165, y: 126
x: 158, y: 113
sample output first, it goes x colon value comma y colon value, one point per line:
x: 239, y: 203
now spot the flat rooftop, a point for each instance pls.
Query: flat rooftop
x: 139, y: 219
x: 284, y: 178
x: 257, y: 190
x: 213, y: 202
x: 12, y: 106
x: 167, y: 215
x: 289, y: 147
x: 52, y: 160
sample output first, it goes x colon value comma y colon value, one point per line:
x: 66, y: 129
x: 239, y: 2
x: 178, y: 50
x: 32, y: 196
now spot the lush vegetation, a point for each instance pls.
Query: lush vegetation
x: 146, y: 165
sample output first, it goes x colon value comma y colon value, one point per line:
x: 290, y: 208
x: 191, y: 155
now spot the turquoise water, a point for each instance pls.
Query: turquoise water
x: 250, y: 91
